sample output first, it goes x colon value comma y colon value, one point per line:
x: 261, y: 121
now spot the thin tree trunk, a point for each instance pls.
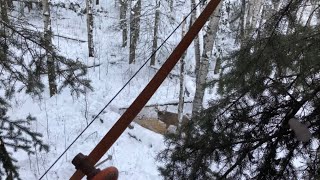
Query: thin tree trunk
x: 155, y: 33
x: 171, y: 5
x: 318, y: 23
x: 249, y: 15
x: 3, y: 30
x: 302, y: 12
x: 196, y: 39
x: 21, y: 9
x: 181, y: 91
x: 123, y: 21
x: 89, y: 5
x: 263, y: 16
x: 49, y: 48
x: 256, y: 12
x: 4, y: 11
x: 208, y: 41
x: 241, y: 35
x: 134, y: 30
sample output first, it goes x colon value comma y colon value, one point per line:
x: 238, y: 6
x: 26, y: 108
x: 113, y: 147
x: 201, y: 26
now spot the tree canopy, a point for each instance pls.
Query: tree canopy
x: 244, y: 134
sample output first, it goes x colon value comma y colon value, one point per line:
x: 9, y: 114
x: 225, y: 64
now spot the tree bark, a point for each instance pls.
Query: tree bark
x: 181, y: 90
x: 123, y: 21
x: 155, y: 33
x: 89, y: 5
x: 208, y: 41
x: 21, y: 9
x: 241, y: 35
x: 171, y: 5
x: 196, y: 42
x: 3, y: 30
x: 4, y: 11
x: 134, y: 30
x: 49, y: 48
x: 256, y: 12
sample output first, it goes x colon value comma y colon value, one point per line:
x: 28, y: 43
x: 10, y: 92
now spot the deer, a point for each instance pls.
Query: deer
x: 170, y: 118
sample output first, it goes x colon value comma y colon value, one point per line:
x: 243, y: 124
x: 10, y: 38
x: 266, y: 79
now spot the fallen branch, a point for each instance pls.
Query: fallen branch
x: 70, y: 38
x: 72, y: 69
x: 164, y: 104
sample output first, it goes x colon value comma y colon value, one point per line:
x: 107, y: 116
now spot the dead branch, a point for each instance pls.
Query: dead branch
x: 70, y: 38
x: 164, y: 104
x: 134, y: 137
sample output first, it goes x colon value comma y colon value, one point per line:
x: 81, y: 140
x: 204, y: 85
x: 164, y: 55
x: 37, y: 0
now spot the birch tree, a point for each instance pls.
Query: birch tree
x: 134, y: 29
x: 250, y: 14
x: 196, y: 42
x: 256, y: 15
x: 89, y: 6
x: 208, y: 41
x: 182, y: 86
x: 155, y: 33
x: 251, y: 10
x: 49, y: 48
x: 123, y: 21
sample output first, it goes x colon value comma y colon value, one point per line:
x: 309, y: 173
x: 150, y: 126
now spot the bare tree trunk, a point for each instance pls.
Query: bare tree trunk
x: 318, y: 22
x: 249, y: 13
x: 89, y: 5
x: 302, y: 12
x: 123, y: 21
x: 171, y: 5
x: 49, y: 48
x: 208, y: 41
x: 134, y: 30
x: 256, y: 13
x: 196, y: 39
x: 4, y: 12
x: 181, y: 91
x: 3, y: 30
x: 21, y: 9
x: 155, y: 33
x: 241, y: 35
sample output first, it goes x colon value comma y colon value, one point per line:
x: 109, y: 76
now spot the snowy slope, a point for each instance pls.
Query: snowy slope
x: 61, y: 118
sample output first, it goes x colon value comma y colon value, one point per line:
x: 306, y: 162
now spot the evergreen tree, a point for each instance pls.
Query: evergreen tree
x: 22, y: 68
x: 245, y: 133
x: 16, y: 135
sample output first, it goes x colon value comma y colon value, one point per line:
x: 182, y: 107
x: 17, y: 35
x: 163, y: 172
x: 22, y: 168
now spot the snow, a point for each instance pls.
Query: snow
x: 61, y: 118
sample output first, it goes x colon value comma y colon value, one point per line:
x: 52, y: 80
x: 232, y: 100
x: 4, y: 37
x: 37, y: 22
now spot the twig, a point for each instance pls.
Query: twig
x: 134, y: 137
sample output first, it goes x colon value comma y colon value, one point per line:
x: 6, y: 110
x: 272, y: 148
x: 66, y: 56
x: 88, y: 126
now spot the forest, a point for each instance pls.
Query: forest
x: 243, y: 101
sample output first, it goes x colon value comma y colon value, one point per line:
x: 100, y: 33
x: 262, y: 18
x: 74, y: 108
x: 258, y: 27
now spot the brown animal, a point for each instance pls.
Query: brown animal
x: 170, y: 118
